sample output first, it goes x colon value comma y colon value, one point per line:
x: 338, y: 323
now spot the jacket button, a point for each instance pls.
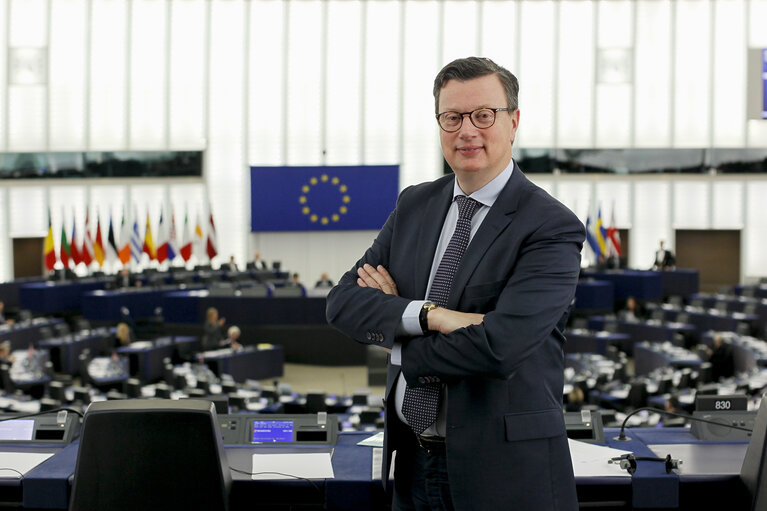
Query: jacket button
x: 369, y: 336
x: 421, y: 379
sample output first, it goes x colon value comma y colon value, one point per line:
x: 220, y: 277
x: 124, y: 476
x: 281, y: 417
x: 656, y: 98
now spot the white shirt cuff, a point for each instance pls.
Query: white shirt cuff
x: 410, y: 323
x: 396, y: 354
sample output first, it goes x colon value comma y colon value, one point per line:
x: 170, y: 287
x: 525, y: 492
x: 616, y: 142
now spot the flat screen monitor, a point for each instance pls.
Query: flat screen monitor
x: 18, y: 429
x: 272, y: 431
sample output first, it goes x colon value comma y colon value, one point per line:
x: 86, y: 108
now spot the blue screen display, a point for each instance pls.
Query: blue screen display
x: 764, y: 84
x: 272, y: 431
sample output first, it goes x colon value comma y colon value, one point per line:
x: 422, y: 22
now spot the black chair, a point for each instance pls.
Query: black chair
x: 170, y: 456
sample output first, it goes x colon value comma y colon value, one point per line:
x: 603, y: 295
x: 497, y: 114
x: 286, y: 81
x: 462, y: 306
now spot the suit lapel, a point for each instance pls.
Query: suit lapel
x: 496, y: 221
x: 431, y: 226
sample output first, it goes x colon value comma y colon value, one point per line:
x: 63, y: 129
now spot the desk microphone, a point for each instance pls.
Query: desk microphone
x: 623, y: 438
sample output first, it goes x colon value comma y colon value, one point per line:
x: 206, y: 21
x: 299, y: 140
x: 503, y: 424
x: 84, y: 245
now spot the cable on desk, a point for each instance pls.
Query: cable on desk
x: 57, y: 410
x: 319, y: 492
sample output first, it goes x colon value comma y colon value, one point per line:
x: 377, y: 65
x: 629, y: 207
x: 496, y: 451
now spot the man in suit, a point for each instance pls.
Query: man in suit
x: 664, y: 258
x: 488, y: 355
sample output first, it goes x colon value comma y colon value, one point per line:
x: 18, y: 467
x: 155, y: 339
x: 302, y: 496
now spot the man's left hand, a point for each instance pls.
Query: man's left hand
x: 377, y: 278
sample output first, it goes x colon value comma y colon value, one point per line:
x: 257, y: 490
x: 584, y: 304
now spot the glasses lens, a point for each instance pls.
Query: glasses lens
x: 450, y: 121
x: 483, y: 118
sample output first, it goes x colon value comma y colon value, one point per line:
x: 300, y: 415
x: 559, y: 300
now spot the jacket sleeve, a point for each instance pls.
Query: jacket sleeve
x: 365, y: 314
x: 540, y: 285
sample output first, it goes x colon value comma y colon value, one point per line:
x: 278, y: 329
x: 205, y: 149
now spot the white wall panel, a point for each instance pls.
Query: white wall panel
x: 692, y: 83
x: 652, y: 221
x: 186, y: 74
x: 727, y: 207
x: 460, y: 37
x: 28, y: 209
x: 692, y: 205
x: 382, y: 93
x: 753, y: 240
x: 3, y: 77
x: 28, y: 27
x: 756, y: 32
x: 108, y: 100
x: 342, y: 96
x: 576, y: 74
x: 536, y: 74
x: 68, y: 65
x: 729, y: 88
x: 652, y: 77
x: 576, y: 195
x: 304, y: 87
x: 498, y: 33
x: 227, y: 174
x: 148, y: 74
x: 421, y: 156
x: 615, y: 197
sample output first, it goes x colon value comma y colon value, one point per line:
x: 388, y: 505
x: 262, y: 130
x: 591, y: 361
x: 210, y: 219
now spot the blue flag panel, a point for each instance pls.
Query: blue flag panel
x: 322, y: 198
x: 764, y: 84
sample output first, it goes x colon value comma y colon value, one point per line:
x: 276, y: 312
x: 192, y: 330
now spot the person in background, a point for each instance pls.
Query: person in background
x: 664, y: 259
x: 721, y: 358
x: 3, y: 319
x: 294, y: 280
x: 5, y: 353
x: 575, y: 400
x: 125, y: 279
x: 123, y: 335
x: 324, y: 281
x: 232, y: 338
x: 257, y: 263
x: 213, y: 332
x: 231, y: 265
x: 632, y: 311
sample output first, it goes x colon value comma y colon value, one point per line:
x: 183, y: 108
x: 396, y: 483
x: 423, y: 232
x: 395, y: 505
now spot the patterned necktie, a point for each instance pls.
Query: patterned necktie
x: 421, y: 404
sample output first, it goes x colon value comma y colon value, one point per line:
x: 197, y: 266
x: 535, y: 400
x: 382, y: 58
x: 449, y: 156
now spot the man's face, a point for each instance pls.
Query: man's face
x: 477, y: 154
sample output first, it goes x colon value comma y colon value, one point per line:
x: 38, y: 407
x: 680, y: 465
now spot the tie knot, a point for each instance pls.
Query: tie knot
x: 466, y: 206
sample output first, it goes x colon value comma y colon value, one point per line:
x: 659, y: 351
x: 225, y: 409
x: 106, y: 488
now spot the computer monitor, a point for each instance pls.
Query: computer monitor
x: 151, y: 454
x: 754, y: 469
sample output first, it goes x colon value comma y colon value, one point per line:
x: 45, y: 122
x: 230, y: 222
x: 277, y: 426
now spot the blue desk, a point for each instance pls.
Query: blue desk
x: 587, y: 341
x: 142, y: 302
x: 146, y: 359
x: 642, y: 285
x: 65, y: 351
x: 55, y: 297
x: 9, y: 291
x: 21, y: 335
x: 354, y: 489
x: 648, y: 357
x: 594, y: 295
x: 190, y: 307
x: 679, y: 282
x: 249, y: 363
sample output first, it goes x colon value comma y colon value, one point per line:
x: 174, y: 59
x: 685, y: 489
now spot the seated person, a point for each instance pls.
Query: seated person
x: 257, y: 263
x: 631, y: 312
x: 3, y: 319
x: 231, y: 265
x: 294, y: 281
x: 232, y: 338
x: 213, y: 332
x: 123, y: 335
x: 575, y: 400
x: 324, y: 281
x: 672, y: 405
x: 5, y: 353
x: 721, y: 358
x: 125, y: 278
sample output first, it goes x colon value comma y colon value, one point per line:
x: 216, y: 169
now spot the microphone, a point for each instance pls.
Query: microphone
x: 623, y: 438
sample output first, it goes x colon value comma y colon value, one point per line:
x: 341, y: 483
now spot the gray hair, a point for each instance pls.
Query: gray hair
x: 477, y: 67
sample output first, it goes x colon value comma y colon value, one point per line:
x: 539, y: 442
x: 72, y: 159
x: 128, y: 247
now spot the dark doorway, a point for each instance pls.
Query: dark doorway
x: 715, y: 254
x: 28, y: 257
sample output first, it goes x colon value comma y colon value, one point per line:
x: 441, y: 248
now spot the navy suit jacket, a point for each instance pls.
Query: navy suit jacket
x: 506, y: 438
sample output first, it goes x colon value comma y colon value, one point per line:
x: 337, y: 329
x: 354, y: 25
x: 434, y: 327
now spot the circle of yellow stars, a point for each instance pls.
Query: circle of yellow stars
x: 304, y: 200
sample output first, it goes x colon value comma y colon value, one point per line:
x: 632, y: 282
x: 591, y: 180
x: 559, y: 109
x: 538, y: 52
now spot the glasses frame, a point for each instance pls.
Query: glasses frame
x: 470, y: 114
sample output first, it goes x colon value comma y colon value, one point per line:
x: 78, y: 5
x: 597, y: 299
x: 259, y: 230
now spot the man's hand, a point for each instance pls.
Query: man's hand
x: 377, y: 278
x: 445, y: 320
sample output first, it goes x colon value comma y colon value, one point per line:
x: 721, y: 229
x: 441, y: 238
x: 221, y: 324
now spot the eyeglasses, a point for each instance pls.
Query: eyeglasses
x: 482, y: 118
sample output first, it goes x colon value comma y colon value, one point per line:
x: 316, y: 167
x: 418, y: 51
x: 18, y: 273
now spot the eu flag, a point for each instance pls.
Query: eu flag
x: 322, y: 198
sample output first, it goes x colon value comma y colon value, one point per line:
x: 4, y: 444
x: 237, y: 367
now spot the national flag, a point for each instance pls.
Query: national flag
x: 162, y: 241
x: 186, y: 242
x: 148, y: 247
x: 601, y: 234
x: 49, y: 253
x: 77, y: 257
x: 172, y: 246
x: 110, y: 249
x: 123, y: 251
x: 211, y: 248
x: 198, y: 238
x: 65, y: 253
x: 614, y: 236
x: 135, y: 240
x: 591, y: 238
x: 87, y: 252
x: 98, y: 244
x: 322, y: 198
